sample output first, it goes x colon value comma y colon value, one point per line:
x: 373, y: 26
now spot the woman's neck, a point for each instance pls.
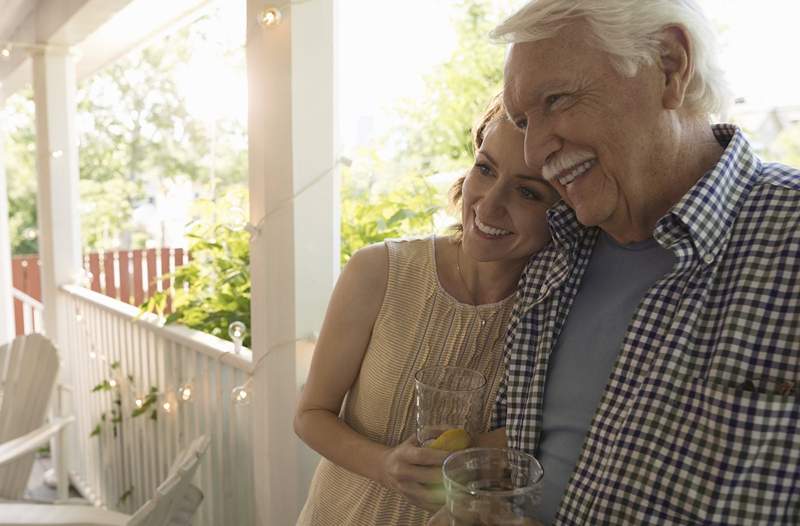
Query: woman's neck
x: 479, y: 282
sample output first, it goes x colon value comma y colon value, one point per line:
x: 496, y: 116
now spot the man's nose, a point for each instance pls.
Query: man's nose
x: 541, y: 142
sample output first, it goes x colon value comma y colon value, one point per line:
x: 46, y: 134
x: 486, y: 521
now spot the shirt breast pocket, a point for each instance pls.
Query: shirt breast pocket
x: 717, y: 454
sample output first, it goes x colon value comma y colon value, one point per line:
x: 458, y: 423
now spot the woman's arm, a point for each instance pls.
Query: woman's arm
x: 340, y: 349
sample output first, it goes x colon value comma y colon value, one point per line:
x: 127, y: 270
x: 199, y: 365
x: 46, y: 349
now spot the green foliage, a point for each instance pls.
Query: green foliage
x: 213, y: 289
x: 114, y: 417
x: 125, y: 496
x: 148, y: 404
x: 20, y: 159
x: 786, y: 147
x: 372, y: 213
x: 433, y: 137
x: 137, y: 137
x: 437, y: 128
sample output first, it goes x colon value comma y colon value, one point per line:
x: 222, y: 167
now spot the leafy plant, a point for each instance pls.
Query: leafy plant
x: 371, y: 214
x: 213, y: 289
x: 112, y: 386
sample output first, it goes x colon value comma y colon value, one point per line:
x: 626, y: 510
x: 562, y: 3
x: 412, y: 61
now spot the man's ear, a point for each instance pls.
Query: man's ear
x: 677, y: 65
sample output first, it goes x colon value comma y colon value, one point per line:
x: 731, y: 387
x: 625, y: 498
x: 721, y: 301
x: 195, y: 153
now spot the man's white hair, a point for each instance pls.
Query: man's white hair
x: 630, y: 31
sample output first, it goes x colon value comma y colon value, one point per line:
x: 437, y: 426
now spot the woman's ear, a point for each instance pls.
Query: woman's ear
x: 676, y: 64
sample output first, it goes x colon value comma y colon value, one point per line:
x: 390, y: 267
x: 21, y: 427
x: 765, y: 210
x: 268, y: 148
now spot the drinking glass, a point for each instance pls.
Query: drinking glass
x: 489, y: 486
x: 448, y: 398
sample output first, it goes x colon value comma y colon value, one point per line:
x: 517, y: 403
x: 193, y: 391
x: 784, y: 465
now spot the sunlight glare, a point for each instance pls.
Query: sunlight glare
x: 212, y: 88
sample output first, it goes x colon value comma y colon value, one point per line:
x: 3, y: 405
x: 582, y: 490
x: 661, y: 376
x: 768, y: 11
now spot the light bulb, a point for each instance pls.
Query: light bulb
x: 5, y: 52
x: 139, y: 403
x: 185, y: 392
x: 236, y: 331
x: 269, y: 16
x: 240, y: 395
x: 167, y: 407
x: 112, y: 383
x: 92, y: 355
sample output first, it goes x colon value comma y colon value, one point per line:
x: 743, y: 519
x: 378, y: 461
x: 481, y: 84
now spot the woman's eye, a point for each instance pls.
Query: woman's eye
x: 521, y: 124
x: 483, y: 169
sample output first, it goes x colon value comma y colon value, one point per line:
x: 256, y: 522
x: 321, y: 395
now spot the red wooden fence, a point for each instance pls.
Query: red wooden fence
x: 132, y: 276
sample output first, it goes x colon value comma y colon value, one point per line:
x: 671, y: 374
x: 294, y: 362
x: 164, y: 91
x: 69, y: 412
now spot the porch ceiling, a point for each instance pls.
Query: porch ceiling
x: 99, y: 30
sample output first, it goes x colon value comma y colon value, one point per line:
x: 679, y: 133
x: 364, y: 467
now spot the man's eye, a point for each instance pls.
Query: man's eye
x: 552, y: 99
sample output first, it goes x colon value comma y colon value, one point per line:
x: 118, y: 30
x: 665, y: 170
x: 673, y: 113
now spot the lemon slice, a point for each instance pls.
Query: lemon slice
x: 451, y: 440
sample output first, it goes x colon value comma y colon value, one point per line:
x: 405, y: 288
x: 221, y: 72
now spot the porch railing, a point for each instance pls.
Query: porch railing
x: 131, y: 276
x: 121, y: 466
x: 29, y: 319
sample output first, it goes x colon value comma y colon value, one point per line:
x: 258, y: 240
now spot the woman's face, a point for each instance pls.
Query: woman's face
x: 504, y: 202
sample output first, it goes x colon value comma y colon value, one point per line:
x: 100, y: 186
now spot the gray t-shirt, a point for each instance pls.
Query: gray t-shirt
x: 612, y: 288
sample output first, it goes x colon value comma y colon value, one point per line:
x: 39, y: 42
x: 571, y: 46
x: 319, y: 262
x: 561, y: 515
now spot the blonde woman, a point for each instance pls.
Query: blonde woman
x: 402, y: 305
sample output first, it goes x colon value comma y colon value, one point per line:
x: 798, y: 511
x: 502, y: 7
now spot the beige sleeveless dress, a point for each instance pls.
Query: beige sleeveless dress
x: 419, y: 324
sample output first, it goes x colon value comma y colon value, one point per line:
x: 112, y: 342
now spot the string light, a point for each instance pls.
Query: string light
x: 236, y: 331
x: 269, y: 16
x: 241, y: 394
x: 185, y: 392
x: 255, y: 230
x: 7, y: 48
x: 112, y: 383
x: 139, y: 402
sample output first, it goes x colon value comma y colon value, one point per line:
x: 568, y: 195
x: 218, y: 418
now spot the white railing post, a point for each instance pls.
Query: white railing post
x: 6, y: 301
x: 54, y: 86
x: 294, y: 251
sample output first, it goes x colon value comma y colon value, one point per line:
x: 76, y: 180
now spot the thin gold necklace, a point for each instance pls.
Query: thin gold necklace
x: 461, y: 275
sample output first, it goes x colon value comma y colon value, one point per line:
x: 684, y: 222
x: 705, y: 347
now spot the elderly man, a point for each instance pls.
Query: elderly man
x: 654, y: 355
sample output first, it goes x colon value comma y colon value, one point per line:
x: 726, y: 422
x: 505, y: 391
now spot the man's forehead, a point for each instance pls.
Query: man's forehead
x: 527, y: 71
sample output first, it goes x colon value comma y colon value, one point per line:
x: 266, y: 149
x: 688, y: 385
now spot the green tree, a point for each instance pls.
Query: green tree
x: 20, y: 154
x: 390, y: 197
x: 136, y: 135
x: 213, y: 289
x: 436, y: 132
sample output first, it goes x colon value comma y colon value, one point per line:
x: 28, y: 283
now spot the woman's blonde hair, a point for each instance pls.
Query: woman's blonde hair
x: 495, y: 111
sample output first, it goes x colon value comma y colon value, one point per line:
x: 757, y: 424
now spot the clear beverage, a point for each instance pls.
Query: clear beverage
x: 447, y: 398
x: 484, y: 486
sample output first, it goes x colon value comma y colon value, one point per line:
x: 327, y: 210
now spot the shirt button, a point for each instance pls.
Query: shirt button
x: 708, y: 258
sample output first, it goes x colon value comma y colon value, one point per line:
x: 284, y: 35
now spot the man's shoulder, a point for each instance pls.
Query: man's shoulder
x: 780, y: 175
x: 775, y: 189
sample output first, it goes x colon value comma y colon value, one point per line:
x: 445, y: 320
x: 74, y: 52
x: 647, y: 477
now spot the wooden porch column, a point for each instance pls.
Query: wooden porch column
x: 54, y: 88
x: 6, y: 303
x: 295, y: 254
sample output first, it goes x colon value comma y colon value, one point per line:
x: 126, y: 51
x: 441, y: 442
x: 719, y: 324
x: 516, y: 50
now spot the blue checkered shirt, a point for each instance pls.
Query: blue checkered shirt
x: 700, y: 420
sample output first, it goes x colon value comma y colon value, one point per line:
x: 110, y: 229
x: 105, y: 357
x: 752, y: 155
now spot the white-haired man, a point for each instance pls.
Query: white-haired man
x: 654, y: 355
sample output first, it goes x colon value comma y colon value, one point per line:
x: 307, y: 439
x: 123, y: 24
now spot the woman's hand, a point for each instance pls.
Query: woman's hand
x: 416, y: 472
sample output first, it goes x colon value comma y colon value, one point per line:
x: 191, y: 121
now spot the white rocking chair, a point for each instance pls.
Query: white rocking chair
x: 174, y: 503
x: 28, y: 370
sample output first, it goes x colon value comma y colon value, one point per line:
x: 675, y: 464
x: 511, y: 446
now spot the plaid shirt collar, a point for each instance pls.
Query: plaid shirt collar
x: 705, y: 213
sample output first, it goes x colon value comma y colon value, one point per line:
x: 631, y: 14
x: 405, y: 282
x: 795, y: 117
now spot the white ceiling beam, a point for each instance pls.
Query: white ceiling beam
x: 101, y: 30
